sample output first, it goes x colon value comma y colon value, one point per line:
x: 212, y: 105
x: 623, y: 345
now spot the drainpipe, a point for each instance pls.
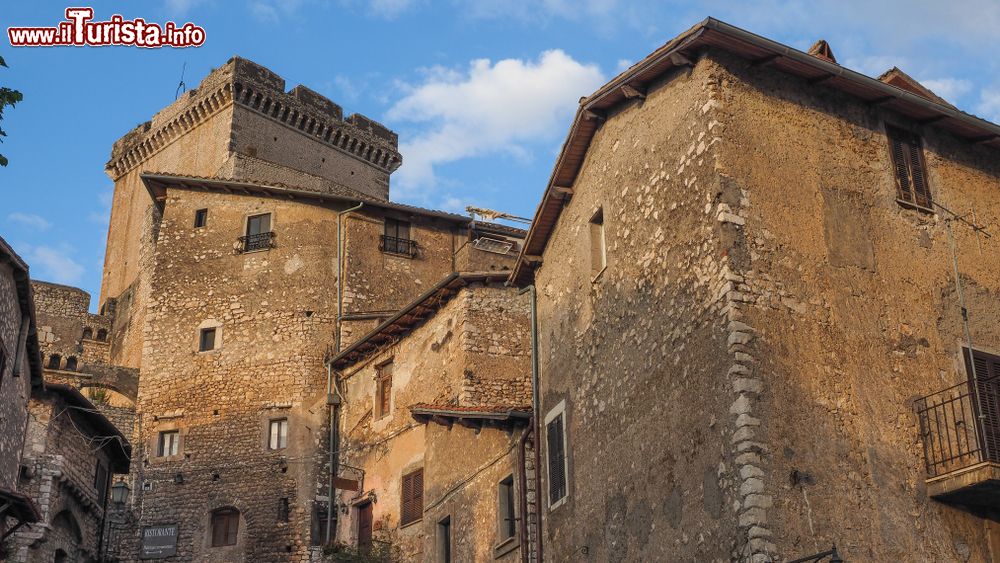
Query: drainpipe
x: 522, y: 483
x: 536, y: 419
x: 333, y: 401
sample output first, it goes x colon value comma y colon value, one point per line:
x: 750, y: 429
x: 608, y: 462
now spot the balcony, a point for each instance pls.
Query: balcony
x: 253, y: 243
x: 401, y: 246
x: 960, y: 429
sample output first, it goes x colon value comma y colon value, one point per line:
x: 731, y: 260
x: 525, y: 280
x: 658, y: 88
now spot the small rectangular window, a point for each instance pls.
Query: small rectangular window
x: 206, y: 340
x: 277, y: 434
x: 909, y: 167
x: 383, y: 390
x: 225, y: 527
x: 598, y: 247
x: 169, y: 443
x: 200, y: 218
x: 555, y: 430
x: 283, y: 509
x: 443, y: 537
x: 506, y: 521
x: 412, y: 497
x: 396, y: 238
x: 3, y: 360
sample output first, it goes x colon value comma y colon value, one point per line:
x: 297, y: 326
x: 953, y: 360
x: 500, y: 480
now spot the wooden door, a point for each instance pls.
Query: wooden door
x: 365, y: 526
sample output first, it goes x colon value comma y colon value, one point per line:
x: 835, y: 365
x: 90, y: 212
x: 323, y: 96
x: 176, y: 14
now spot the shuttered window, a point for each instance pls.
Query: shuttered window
x: 225, y: 527
x: 383, y: 391
x: 412, y: 497
x: 555, y: 431
x: 909, y: 167
x: 988, y: 406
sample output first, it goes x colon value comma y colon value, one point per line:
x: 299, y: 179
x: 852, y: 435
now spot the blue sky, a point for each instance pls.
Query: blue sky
x: 481, y: 93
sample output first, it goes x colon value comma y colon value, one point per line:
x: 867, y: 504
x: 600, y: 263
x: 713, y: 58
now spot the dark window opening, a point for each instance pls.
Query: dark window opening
x: 319, y: 524
x: 71, y: 363
x: 396, y: 238
x: 283, y: 509
x: 200, y: 218
x: 557, y: 459
x: 225, y: 527
x: 102, y: 334
x: 507, y: 522
x: 444, y: 540
x: 88, y: 333
x: 101, y: 476
x: 55, y: 360
x: 909, y: 167
x: 3, y: 360
x: 206, y: 340
x: 412, y: 497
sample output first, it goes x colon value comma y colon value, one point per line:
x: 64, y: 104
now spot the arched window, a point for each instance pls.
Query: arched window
x: 71, y: 363
x: 225, y: 526
x: 102, y: 334
x: 54, y: 361
x: 88, y: 333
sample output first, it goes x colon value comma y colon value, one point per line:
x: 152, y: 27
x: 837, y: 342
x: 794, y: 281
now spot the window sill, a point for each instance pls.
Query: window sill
x: 505, y: 547
x: 399, y: 254
x: 914, y: 206
x: 558, y: 503
x: 408, y: 524
x: 255, y: 251
x: 212, y: 351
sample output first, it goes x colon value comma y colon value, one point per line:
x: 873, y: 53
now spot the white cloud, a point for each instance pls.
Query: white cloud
x: 54, y: 264
x: 390, y: 9
x: 180, y: 8
x: 623, y: 65
x: 989, y: 105
x: 490, y: 108
x: 30, y: 220
x: 950, y: 89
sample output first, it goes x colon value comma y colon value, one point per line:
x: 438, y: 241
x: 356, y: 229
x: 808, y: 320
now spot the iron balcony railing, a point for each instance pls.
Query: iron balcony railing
x: 960, y: 427
x: 260, y: 241
x: 394, y: 245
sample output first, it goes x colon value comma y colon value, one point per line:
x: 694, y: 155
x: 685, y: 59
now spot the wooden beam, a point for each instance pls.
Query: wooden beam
x: 981, y: 140
x: 532, y: 259
x: 594, y: 115
x: 680, y: 60
x: 564, y: 191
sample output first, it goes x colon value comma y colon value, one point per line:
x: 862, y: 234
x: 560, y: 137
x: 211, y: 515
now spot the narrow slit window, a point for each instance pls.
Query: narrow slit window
x: 506, y: 520
x: 206, y: 340
x: 909, y: 167
x: 383, y: 390
x: 200, y: 218
x: 555, y: 431
x: 598, y: 248
x: 444, y: 540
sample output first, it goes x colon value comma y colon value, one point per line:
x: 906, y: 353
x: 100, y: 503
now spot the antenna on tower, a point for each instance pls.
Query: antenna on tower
x: 181, y: 87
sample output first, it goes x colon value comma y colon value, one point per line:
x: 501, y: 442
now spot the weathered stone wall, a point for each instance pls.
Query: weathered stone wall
x: 60, y: 453
x: 642, y: 355
x: 853, y: 306
x: 14, y: 392
x: 451, y: 359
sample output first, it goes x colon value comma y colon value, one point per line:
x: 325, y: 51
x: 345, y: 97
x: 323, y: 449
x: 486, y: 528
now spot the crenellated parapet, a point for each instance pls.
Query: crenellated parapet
x: 255, y: 88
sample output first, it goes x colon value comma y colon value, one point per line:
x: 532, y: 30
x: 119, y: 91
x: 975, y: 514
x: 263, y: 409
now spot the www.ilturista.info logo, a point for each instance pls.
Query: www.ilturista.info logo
x: 78, y: 30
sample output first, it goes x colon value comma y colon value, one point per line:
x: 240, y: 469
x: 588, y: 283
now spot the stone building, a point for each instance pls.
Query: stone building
x: 747, y: 310
x: 20, y: 374
x: 252, y: 237
x: 70, y: 453
x: 434, y: 413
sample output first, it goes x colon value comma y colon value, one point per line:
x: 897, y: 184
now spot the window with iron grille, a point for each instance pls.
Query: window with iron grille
x: 168, y: 443
x: 396, y: 238
x: 412, y: 497
x: 200, y: 218
x: 555, y: 441
x: 383, y: 390
x: 909, y: 167
x: 225, y: 527
x: 258, y: 234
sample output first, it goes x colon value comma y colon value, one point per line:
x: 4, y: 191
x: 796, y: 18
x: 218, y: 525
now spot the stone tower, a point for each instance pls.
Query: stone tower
x: 239, y: 124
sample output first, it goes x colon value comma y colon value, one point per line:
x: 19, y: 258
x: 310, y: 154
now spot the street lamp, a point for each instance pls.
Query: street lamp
x: 119, y: 492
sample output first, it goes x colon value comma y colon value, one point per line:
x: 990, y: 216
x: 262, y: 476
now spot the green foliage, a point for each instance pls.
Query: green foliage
x: 380, y: 552
x: 8, y: 97
x: 98, y: 395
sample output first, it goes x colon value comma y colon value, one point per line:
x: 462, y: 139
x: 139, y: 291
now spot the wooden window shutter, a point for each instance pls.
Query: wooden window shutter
x: 909, y: 167
x: 557, y: 460
x: 412, y: 497
x: 988, y: 387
